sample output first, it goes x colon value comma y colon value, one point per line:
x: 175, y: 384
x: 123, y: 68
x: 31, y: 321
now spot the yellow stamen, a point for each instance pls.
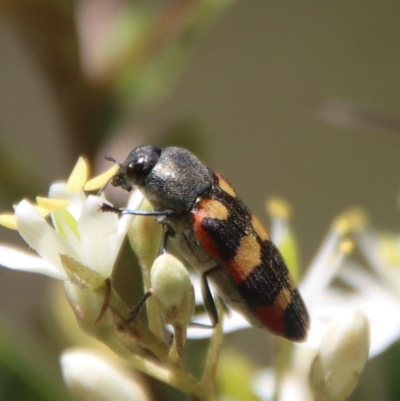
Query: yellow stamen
x: 278, y: 207
x: 352, y: 220
x: 79, y: 176
x: 8, y: 220
x: 346, y: 246
x: 102, y: 179
x: 342, y: 224
x: 42, y: 211
x: 52, y: 204
x: 358, y: 218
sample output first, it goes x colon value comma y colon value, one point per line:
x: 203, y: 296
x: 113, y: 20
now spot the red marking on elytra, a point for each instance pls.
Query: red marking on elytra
x: 272, y: 317
x: 203, y: 237
x: 209, y: 246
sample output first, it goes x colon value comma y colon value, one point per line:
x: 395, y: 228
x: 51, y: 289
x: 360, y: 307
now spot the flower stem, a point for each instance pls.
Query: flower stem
x: 208, y: 379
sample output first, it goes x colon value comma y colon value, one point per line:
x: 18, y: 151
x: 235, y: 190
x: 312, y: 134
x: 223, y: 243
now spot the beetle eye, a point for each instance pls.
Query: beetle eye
x: 137, y: 167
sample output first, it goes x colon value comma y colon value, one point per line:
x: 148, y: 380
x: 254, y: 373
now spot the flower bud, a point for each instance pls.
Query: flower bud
x: 173, y: 290
x: 342, y: 354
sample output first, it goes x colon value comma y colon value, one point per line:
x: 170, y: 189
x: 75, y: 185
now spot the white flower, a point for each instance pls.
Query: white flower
x: 91, y: 377
x: 374, y: 292
x: 80, y: 232
x: 377, y: 287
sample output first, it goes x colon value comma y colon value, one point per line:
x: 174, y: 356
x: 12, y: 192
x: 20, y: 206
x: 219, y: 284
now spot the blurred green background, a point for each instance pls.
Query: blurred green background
x: 296, y: 99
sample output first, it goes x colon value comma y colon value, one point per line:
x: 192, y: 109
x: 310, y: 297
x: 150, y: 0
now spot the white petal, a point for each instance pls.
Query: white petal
x: 364, y: 282
x: 293, y: 386
x: 125, y: 221
x: 380, y: 309
x: 324, y: 266
x: 379, y: 302
x: 67, y: 227
x: 98, y: 233
x: 92, y: 377
x: 58, y: 190
x: 374, y: 251
x: 385, y: 325
x: 279, y: 229
x: 59, y: 218
x: 370, y: 244
x: 381, y: 341
x: 34, y: 229
x: 264, y: 383
x: 17, y: 259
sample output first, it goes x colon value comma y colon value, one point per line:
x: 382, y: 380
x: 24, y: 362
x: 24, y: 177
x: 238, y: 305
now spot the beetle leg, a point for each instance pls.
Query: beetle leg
x: 164, y: 238
x: 137, y: 308
x: 105, y: 207
x: 208, y: 299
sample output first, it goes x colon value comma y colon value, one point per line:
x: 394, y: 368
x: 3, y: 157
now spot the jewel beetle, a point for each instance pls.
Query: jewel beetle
x: 216, y: 233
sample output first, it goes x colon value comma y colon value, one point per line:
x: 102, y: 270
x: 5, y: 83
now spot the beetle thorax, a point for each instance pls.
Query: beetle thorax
x: 176, y: 181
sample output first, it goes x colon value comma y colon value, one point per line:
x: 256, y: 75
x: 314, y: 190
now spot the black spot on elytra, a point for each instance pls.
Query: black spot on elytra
x: 295, y: 317
x: 267, y: 280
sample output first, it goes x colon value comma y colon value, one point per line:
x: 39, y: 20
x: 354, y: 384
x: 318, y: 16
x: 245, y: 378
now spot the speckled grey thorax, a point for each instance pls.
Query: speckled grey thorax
x: 176, y: 182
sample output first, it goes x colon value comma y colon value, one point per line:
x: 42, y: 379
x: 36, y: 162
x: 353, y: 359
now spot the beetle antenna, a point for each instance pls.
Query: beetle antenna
x: 111, y: 159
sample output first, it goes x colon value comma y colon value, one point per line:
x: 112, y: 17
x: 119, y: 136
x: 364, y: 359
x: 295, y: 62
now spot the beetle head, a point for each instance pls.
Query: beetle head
x: 134, y: 170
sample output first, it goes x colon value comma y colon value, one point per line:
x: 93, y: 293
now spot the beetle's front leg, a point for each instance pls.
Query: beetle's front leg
x: 105, y: 207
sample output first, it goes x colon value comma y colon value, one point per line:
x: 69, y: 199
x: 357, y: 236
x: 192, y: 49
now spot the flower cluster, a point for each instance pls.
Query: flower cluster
x: 81, y: 245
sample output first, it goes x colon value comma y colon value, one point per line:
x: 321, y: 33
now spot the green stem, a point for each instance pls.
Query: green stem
x: 210, y: 369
